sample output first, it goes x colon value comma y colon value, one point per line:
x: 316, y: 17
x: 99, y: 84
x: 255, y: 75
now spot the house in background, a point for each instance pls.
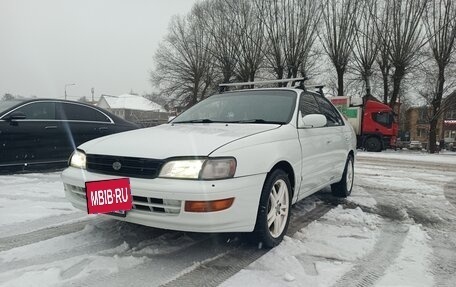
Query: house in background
x: 449, y: 121
x: 135, y: 109
x: 417, y: 124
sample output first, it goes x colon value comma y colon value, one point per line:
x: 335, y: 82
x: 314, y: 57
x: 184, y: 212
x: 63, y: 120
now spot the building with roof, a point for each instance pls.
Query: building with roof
x: 135, y: 109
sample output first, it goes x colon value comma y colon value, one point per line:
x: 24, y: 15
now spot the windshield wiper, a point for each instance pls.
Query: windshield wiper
x: 204, y: 121
x: 258, y: 121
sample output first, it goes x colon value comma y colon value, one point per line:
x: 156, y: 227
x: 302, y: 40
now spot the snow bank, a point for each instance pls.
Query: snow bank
x: 447, y: 158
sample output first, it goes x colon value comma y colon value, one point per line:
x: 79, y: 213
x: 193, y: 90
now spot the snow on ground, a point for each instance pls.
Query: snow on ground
x: 397, y: 228
x: 35, y: 195
x: 28, y: 198
x: 318, y: 255
x: 444, y: 157
x: 412, y: 265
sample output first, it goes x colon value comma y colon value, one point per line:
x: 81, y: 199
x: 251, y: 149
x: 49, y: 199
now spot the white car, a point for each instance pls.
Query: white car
x: 235, y: 162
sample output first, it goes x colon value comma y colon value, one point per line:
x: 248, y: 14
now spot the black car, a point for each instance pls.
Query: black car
x: 42, y: 133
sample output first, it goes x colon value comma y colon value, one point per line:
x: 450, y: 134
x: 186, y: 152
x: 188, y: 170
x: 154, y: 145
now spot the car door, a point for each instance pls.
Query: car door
x: 333, y: 139
x: 28, y: 140
x: 81, y: 124
x: 314, y: 151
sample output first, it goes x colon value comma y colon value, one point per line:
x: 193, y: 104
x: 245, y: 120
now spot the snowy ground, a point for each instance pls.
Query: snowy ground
x: 397, y: 229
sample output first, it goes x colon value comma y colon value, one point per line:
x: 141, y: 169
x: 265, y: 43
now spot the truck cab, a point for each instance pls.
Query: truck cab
x: 378, y: 124
x: 373, y: 121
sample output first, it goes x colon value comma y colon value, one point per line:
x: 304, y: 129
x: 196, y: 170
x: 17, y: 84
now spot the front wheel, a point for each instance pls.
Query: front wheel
x: 344, y: 187
x: 373, y: 144
x: 274, y: 209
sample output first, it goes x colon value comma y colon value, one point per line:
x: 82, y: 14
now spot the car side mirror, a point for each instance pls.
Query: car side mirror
x: 312, y: 121
x: 16, y: 116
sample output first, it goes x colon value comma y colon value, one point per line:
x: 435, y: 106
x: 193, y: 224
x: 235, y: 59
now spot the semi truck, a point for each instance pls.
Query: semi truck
x: 373, y: 121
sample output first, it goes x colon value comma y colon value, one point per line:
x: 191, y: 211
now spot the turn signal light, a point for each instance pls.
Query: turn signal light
x: 208, y: 206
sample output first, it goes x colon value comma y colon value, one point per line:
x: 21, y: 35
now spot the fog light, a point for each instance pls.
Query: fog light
x: 208, y: 206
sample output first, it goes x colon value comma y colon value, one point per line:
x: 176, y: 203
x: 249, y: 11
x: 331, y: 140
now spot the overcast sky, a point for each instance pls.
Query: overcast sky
x: 105, y: 44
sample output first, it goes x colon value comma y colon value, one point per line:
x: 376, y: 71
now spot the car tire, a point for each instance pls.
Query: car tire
x: 373, y: 144
x: 344, y: 187
x: 274, y: 210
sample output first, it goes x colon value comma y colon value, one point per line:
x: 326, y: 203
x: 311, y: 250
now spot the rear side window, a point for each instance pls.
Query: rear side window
x: 75, y: 112
x: 38, y: 111
x: 308, y: 105
x: 332, y: 116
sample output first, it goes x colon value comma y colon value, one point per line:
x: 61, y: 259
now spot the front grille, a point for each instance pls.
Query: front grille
x: 140, y: 203
x: 126, y: 166
x: 150, y: 204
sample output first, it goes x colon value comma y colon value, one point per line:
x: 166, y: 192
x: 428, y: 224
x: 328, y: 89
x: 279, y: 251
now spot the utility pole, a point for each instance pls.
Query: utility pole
x: 67, y: 85
x: 93, y: 91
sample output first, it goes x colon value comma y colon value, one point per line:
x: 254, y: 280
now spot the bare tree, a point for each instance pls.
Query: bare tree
x: 440, y: 25
x: 7, y: 97
x: 184, y: 70
x: 383, y: 27
x: 405, y: 37
x: 249, y: 34
x: 366, y: 43
x: 291, y: 29
x: 216, y: 19
x: 340, y: 23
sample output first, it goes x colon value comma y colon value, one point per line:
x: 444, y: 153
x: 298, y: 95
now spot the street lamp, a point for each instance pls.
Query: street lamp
x: 67, y: 85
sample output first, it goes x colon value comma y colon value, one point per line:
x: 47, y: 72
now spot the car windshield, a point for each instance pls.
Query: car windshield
x: 260, y: 106
x: 5, y: 105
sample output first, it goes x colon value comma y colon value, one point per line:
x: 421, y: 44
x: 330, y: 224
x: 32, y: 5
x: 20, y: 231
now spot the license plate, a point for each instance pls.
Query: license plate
x: 109, y: 196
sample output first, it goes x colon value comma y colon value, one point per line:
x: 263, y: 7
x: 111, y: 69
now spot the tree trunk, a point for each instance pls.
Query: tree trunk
x: 436, y: 103
x: 397, y: 79
x: 385, y: 87
x: 367, y: 82
x: 340, y: 82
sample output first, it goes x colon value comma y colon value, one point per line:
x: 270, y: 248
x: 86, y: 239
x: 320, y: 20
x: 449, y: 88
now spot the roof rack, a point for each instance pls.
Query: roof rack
x: 319, y: 88
x: 223, y: 87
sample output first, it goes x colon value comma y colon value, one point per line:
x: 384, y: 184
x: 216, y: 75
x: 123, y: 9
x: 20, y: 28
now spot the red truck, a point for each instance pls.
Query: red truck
x: 373, y: 121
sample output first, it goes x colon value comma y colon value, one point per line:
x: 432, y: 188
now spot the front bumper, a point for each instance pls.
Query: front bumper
x: 160, y: 202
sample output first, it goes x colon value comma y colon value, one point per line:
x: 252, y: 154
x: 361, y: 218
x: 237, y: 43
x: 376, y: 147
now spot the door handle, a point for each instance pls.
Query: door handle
x: 102, y: 129
x: 50, y: 127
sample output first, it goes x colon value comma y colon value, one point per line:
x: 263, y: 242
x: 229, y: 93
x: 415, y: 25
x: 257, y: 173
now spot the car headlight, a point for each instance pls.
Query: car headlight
x: 78, y: 159
x: 209, y: 169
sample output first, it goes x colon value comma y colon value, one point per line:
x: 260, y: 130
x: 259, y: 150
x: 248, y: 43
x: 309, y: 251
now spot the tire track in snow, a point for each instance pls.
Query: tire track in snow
x: 13, y: 230
x: 403, y: 205
x: 449, y: 191
x: 107, y: 235
x: 443, y: 242
x: 210, y: 260
x: 14, y: 241
x: 214, y: 272
x: 373, y: 266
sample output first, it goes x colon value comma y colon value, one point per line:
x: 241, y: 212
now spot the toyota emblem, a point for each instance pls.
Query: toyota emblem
x: 116, y: 165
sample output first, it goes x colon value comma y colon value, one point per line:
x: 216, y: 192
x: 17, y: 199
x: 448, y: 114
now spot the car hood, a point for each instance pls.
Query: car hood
x: 173, y: 140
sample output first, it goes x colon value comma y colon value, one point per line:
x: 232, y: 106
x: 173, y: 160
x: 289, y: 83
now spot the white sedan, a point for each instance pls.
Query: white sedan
x: 234, y: 162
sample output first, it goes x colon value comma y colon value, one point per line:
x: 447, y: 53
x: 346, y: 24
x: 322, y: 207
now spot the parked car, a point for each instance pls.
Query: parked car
x: 42, y: 133
x: 235, y: 162
x: 415, y: 145
x: 400, y: 144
